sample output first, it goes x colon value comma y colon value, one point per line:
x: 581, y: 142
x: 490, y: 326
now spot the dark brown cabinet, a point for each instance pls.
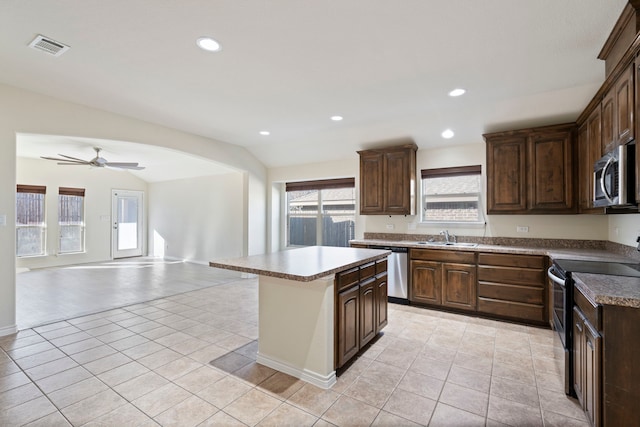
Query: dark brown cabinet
x: 443, y: 278
x: 513, y: 287
x: 361, y: 308
x: 618, y: 106
x: 531, y: 171
x: 388, y: 180
x: 589, y: 151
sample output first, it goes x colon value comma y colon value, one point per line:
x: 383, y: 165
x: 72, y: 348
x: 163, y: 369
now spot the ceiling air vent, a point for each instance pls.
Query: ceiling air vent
x: 48, y: 45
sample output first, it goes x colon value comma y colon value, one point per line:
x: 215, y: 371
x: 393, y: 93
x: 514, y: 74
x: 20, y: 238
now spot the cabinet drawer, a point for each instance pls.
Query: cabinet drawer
x: 443, y: 255
x: 511, y: 260
x: 381, y: 266
x: 517, y: 293
x: 521, y: 276
x: 514, y: 310
x: 347, y: 278
x: 367, y: 270
x: 590, y: 311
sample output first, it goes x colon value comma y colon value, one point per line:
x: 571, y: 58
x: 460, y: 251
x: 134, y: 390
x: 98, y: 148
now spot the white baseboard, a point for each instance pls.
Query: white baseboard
x: 9, y: 330
x: 322, y: 381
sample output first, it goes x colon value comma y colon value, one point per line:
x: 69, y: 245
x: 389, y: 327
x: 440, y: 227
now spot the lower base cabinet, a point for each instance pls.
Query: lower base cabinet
x: 361, y: 308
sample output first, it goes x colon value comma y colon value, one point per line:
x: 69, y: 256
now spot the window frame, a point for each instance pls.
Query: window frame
x: 315, y: 185
x: 32, y: 189
x: 453, y: 172
x: 76, y: 192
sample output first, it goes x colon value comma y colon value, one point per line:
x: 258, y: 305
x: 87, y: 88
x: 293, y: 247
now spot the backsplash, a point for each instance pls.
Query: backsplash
x: 616, y: 248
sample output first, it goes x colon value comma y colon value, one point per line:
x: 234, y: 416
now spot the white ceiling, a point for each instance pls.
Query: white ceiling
x: 288, y: 65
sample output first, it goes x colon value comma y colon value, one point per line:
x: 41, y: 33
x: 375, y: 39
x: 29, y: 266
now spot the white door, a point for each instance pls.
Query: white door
x: 128, y: 223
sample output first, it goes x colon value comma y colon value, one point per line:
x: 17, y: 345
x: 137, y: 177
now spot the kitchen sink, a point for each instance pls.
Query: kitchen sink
x: 452, y: 244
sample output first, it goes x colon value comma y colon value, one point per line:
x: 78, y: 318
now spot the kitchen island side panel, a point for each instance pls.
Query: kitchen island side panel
x: 296, y: 328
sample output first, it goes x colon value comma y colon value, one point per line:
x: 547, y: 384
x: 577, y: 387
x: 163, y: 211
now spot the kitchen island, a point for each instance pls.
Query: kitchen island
x: 310, y: 318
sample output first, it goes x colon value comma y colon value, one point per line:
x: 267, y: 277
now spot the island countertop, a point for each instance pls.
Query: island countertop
x: 303, y: 264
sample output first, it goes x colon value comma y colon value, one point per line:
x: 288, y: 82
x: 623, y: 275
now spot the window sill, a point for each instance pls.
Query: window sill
x: 453, y: 224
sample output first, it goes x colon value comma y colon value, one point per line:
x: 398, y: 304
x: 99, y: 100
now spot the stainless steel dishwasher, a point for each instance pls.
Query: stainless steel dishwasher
x: 397, y: 266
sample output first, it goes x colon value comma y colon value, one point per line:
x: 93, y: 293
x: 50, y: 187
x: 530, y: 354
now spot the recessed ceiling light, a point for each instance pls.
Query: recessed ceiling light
x: 336, y: 118
x: 208, y: 44
x: 457, y: 92
x: 448, y: 134
x: 265, y: 132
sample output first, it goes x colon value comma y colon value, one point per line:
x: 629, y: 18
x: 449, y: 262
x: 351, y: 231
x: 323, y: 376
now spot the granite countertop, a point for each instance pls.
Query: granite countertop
x: 609, y: 290
x: 303, y: 264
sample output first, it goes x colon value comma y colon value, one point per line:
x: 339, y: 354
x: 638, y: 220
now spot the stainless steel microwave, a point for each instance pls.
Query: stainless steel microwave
x: 614, y: 179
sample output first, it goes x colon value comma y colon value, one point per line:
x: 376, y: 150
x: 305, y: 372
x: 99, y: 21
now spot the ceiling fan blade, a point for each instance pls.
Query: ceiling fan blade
x: 72, y: 158
x: 73, y: 163
x: 121, y: 165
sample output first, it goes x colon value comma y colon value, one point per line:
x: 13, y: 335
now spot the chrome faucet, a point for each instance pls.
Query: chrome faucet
x: 448, y: 238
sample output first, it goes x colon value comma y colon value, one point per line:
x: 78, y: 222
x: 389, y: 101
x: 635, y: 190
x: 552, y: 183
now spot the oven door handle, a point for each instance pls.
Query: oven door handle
x: 555, y: 278
x: 603, y: 186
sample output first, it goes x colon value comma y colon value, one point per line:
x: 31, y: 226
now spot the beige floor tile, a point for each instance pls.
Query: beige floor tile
x: 313, y: 399
x: 107, y: 363
x: 160, y: 358
x: 439, y: 353
x: 189, y: 412
x: 79, y: 346
x: 514, y: 373
x: 199, y: 378
x: 190, y: 345
x: 411, y: 406
x: 61, y: 332
x: 52, y: 326
x: 55, y: 419
x: 552, y: 382
x: 221, y: 419
x: 27, y: 412
x: 93, y: 407
x: 254, y: 373
x: 144, y: 327
x: 560, y: 403
x: 122, y: 373
x: 448, y: 416
x: 223, y: 392
x: 252, y: 407
x: 30, y: 350
x: 398, y: 357
x: 208, y: 353
x: 350, y: 412
x: 470, y: 379
x: 158, y: 332
x: 386, y: 419
x: 233, y: 342
x: 552, y: 419
x: 172, y: 339
x: 70, y: 339
x: 371, y: 393
x: 513, y: 358
x: 51, y: 368
x: 115, y: 335
x: 40, y: 358
x: 63, y: 379
x: 287, y: 415
x: 136, y: 346
x: 141, y: 385
x: 422, y: 385
x: 95, y: 353
x: 177, y: 368
x: 126, y: 415
x: 104, y: 329
x: 513, y: 413
x: 77, y: 392
x: 384, y: 374
x: 161, y: 399
x: 131, y: 321
x: 281, y: 385
x: 14, y: 380
x: 434, y: 368
x: 16, y: 341
x: 474, y: 362
x: 515, y: 391
x: 465, y: 398
x: 19, y: 395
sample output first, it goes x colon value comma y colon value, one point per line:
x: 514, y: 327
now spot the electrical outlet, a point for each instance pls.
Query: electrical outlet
x: 390, y: 226
x: 522, y: 228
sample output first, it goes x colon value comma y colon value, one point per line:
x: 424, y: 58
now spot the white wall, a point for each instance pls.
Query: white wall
x: 624, y: 228
x: 98, y: 184
x: 197, y: 219
x: 23, y: 111
x: 584, y: 227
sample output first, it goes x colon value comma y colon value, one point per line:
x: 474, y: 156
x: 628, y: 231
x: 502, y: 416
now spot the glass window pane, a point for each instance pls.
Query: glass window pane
x: 338, y: 216
x: 30, y: 225
x: 127, y: 223
x: 452, y: 198
x: 71, y: 223
x: 302, y: 217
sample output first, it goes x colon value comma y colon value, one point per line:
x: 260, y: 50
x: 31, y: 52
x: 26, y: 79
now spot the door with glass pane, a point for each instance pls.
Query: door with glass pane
x: 127, y: 223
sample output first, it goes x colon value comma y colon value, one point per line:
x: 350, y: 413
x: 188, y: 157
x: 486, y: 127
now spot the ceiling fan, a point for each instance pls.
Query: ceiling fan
x: 97, y: 161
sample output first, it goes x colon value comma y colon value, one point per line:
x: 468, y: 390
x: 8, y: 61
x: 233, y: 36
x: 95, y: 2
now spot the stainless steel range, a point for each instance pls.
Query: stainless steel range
x: 560, y: 274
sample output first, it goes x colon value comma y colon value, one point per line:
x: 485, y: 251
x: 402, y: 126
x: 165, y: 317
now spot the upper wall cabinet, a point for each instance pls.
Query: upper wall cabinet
x: 531, y: 171
x: 589, y: 151
x: 618, y: 111
x: 388, y: 180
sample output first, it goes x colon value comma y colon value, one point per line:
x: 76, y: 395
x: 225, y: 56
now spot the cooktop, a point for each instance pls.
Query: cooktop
x: 598, y: 267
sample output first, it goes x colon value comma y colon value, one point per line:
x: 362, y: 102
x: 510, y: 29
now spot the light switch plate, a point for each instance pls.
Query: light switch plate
x: 522, y: 229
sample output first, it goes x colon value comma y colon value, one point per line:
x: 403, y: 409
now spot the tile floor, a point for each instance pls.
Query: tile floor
x: 189, y: 360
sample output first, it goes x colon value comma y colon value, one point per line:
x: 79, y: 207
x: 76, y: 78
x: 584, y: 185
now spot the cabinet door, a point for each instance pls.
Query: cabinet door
x: 592, y: 359
x: 367, y: 311
x: 506, y: 175
x: 459, y: 286
x: 585, y: 174
x: 551, y: 172
x: 371, y: 185
x: 348, y: 324
x: 624, y: 106
x: 382, y: 314
x: 578, y: 354
x: 637, y: 122
x: 397, y: 197
x: 609, y: 131
x: 426, y: 282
